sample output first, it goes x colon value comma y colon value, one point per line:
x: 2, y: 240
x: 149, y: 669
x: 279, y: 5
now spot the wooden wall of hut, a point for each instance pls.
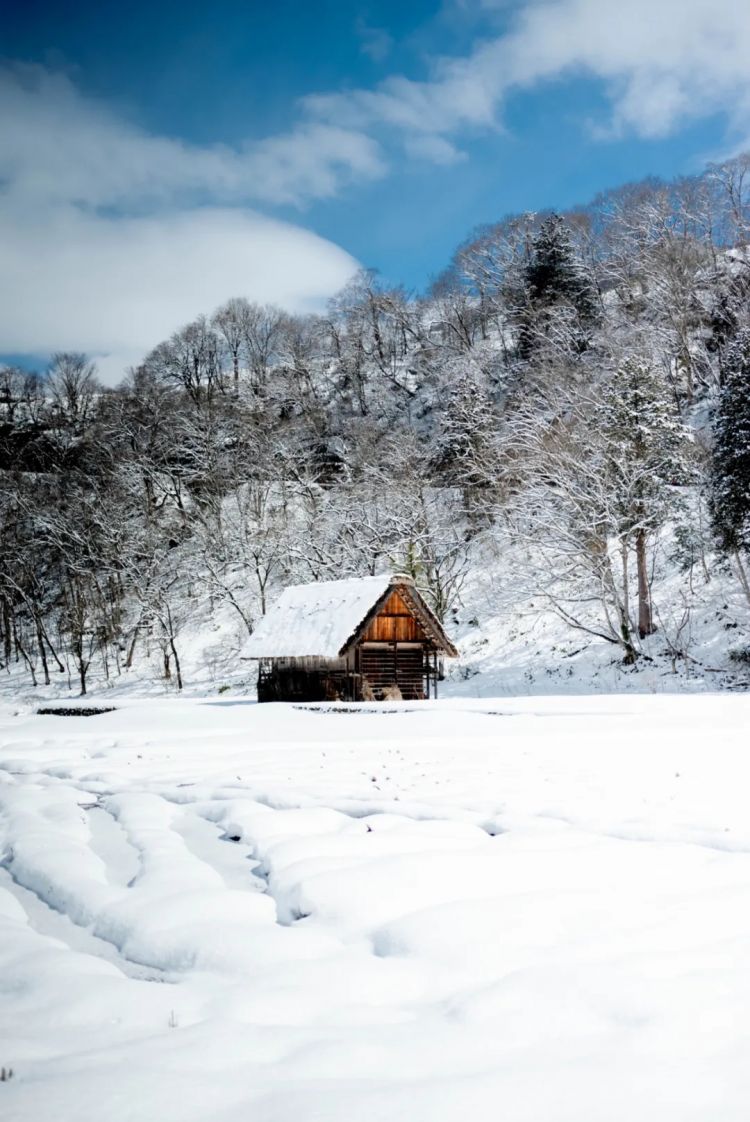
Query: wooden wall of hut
x: 291, y: 682
x: 395, y: 623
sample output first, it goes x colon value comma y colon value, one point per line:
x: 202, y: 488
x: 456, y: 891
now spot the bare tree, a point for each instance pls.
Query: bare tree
x: 231, y: 322
x: 72, y: 385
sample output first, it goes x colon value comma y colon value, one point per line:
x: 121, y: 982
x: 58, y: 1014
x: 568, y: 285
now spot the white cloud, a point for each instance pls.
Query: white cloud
x: 433, y: 149
x: 663, y: 63
x: 111, y: 238
x: 56, y: 144
x: 115, y: 287
x: 666, y: 61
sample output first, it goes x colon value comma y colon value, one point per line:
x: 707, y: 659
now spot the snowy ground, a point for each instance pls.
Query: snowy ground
x: 534, y: 909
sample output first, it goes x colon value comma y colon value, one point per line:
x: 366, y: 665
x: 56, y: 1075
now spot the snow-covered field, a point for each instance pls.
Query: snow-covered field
x: 533, y: 909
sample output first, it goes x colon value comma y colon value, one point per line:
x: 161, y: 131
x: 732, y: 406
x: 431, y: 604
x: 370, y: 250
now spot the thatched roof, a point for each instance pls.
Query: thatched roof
x: 323, y: 619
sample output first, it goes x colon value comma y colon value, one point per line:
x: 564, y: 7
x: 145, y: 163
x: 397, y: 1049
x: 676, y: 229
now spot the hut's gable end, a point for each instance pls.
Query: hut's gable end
x: 401, y: 615
x: 394, y: 622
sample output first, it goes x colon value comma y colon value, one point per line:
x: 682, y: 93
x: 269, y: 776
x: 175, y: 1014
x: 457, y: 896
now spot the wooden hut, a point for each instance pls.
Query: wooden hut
x: 360, y: 639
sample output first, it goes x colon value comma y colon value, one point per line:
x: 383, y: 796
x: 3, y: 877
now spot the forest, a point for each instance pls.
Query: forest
x: 570, y: 400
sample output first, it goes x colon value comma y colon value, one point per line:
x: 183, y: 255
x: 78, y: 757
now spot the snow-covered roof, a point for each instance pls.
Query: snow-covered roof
x: 316, y: 620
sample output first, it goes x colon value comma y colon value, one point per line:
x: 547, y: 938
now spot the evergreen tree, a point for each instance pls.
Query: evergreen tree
x: 555, y: 273
x: 730, y: 477
x: 555, y: 290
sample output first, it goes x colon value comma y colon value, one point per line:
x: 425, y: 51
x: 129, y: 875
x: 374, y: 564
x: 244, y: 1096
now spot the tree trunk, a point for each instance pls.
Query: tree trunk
x: 20, y: 649
x: 42, y: 651
x: 7, y: 634
x: 624, y: 547
x: 171, y: 636
x: 645, y: 611
x: 742, y: 574
x: 83, y: 667
x: 50, y: 647
x: 131, y: 648
x: 177, y: 669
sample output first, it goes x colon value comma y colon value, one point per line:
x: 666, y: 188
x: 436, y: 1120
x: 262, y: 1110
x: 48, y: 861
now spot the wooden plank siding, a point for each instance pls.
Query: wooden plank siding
x: 395, y: 623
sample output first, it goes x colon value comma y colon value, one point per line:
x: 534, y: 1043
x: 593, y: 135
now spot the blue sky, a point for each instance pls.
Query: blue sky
x: 163, y: 157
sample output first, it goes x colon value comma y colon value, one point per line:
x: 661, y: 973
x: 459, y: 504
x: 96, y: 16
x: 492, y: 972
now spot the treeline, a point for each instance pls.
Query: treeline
x: 553, y: 397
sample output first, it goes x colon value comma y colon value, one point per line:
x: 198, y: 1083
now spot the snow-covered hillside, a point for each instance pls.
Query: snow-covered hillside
x: 560, y: 424
x: 510, y: 642
x: 530, y: 909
